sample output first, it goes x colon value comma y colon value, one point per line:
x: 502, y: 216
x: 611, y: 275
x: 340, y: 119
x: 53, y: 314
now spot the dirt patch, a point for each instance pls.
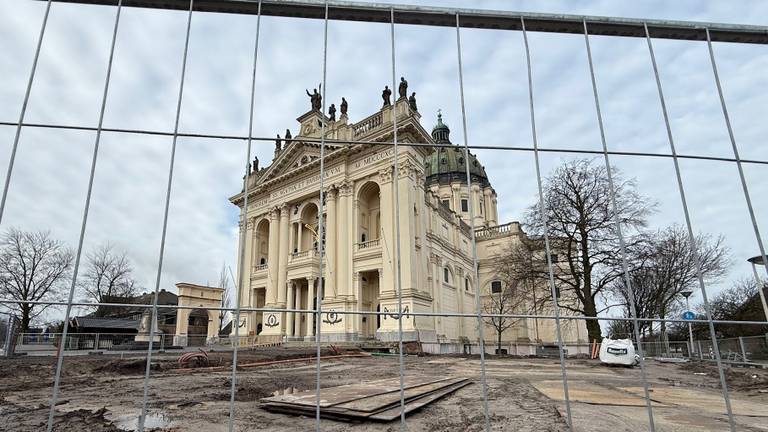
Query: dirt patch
x: 127, y: 367
x: 737, y: 378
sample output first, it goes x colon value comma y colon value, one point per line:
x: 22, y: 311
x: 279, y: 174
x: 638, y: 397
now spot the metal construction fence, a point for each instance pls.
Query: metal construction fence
x: 395, y: 16
x: 742, y: 349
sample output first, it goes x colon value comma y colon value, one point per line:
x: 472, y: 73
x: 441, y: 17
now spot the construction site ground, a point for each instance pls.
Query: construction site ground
x: 104, y: 393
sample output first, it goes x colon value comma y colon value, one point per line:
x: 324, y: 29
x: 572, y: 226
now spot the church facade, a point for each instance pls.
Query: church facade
x: 279, y: 230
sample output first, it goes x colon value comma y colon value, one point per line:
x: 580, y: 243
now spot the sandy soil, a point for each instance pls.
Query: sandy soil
x: 103, y: 393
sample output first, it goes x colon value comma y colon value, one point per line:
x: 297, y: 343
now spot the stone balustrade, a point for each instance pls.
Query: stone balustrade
x: 495, y: 231
x: 367, y: 244
x: 368, y: 124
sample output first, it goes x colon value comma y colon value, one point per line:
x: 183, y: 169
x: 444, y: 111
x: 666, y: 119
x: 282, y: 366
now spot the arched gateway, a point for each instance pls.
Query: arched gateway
x: 191, y: 297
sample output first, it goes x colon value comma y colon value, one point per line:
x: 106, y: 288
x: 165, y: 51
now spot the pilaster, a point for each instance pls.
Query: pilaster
x: 331, y: 252
x: 272, y: 258
x: 282, y: 268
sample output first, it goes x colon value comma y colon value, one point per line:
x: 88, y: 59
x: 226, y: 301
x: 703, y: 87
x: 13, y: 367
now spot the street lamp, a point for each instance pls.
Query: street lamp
x: 759, y: 261
x: 686, y: 294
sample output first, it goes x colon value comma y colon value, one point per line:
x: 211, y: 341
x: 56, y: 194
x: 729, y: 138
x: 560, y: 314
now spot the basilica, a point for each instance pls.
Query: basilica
x: 279, y: 230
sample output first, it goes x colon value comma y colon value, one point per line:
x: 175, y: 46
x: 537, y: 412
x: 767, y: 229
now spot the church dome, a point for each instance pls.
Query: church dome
x: 447, y: 165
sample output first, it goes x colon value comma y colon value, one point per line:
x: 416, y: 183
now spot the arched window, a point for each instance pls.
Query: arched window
x: 466, y: 284
x: 496, y: 287
x: 446, y: 275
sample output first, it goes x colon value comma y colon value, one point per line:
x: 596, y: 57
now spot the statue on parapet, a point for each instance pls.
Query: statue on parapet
x: 412, y: 102
x: 315, y: 98
x: 332, y: 113
x: 344, y: 106
x: 402, y: 89
x: 288, y: 137
x: 278, y: 144
x: 255, y: 163
x: 385, y: 95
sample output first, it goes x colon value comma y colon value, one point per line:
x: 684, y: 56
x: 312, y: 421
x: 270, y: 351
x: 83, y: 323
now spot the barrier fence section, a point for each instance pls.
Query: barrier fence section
x: 719, y: 351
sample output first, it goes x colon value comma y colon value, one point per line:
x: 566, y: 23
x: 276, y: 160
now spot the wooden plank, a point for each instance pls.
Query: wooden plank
x: 389, y: 414
x: 332, y: 396
x: 376, y: 403
x: 413, y: 405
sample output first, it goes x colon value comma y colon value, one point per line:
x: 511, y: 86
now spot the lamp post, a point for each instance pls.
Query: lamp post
x: 686, y: 294
x: 758, y: 260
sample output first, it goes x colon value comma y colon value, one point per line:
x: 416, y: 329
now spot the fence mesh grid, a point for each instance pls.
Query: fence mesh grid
x: 393, y: 16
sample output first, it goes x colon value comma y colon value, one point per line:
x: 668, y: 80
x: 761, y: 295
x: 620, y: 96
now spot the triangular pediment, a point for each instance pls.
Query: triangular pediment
x: 297, y: 156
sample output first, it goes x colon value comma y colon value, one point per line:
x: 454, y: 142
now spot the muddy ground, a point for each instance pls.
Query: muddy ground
x: 103, y: 393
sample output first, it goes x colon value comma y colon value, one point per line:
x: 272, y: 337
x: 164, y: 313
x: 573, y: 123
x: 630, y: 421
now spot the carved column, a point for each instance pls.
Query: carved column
x: 343, y: 247
x: 408, y: 261
x: 456, y: 195
x: 290, y: 305
x: 387, y: 206
x: 282, y: 268
x: 272, y: 258
x: 297, y: 317
x: 311, y: 305
x: 291, y: 237
x: 298, y: 235
x: 247, y: 264
x: 358, y: 288
x: 331, y: 252
x: 476, y: 204
x: 437, y: 295
x: 490, y: 217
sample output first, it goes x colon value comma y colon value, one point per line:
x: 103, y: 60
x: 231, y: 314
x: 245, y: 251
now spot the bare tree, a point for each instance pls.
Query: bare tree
x: 225, y: 295
x: 666, y: 266
x: 582, y: 224
x: 33, y: 267
x: 108, y: 274
x: 509, y: 300
x: 514, y: 270
x: 739, y: 302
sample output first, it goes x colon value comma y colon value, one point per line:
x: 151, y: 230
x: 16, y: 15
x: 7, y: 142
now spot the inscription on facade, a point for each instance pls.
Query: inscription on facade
x: 259, y: 203
x: 303, y: 184
x: 386, y: 154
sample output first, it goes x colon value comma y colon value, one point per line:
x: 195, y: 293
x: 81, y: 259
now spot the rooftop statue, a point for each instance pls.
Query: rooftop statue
x: 343, y: 106
x: 315, y: 98
x: 332, y: 112
x: 402, y: 89
x: 288, y: 136
x: 385, y: 95
x: 278, y: 144
x: 412, y: 101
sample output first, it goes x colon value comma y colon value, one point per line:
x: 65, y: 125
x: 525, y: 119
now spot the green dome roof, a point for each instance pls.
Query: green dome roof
x: 447, y: 165
x: 441, y: 132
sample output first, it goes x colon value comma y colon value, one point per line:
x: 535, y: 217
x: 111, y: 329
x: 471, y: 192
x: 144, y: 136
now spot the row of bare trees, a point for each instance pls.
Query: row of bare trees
x: 34, y: 267
x: 585, y: 227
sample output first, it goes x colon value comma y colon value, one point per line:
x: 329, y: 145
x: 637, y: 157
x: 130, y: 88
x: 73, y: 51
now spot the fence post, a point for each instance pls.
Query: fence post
x: 701, y: 353
x: 743, y: 351
x: 96, y: 343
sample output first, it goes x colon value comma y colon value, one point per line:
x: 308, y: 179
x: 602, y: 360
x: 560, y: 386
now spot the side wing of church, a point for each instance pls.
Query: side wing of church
x: 282, y: 266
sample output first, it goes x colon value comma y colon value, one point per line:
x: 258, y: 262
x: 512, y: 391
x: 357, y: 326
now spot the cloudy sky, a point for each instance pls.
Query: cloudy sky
x: 51, y: 172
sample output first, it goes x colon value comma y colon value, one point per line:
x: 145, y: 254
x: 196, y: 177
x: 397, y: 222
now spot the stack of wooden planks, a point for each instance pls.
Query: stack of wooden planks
x: 372, y: 400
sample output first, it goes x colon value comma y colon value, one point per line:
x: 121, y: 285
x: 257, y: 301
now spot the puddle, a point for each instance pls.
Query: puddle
x: 131, y: 422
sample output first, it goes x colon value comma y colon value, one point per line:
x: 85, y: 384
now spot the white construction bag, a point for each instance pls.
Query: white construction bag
x: 618, y: 352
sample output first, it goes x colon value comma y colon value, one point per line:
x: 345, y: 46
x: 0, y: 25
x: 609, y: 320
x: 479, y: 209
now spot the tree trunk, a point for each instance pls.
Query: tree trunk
x: 593, y: 326
x: 26, y: 311
x: 498, y: 345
